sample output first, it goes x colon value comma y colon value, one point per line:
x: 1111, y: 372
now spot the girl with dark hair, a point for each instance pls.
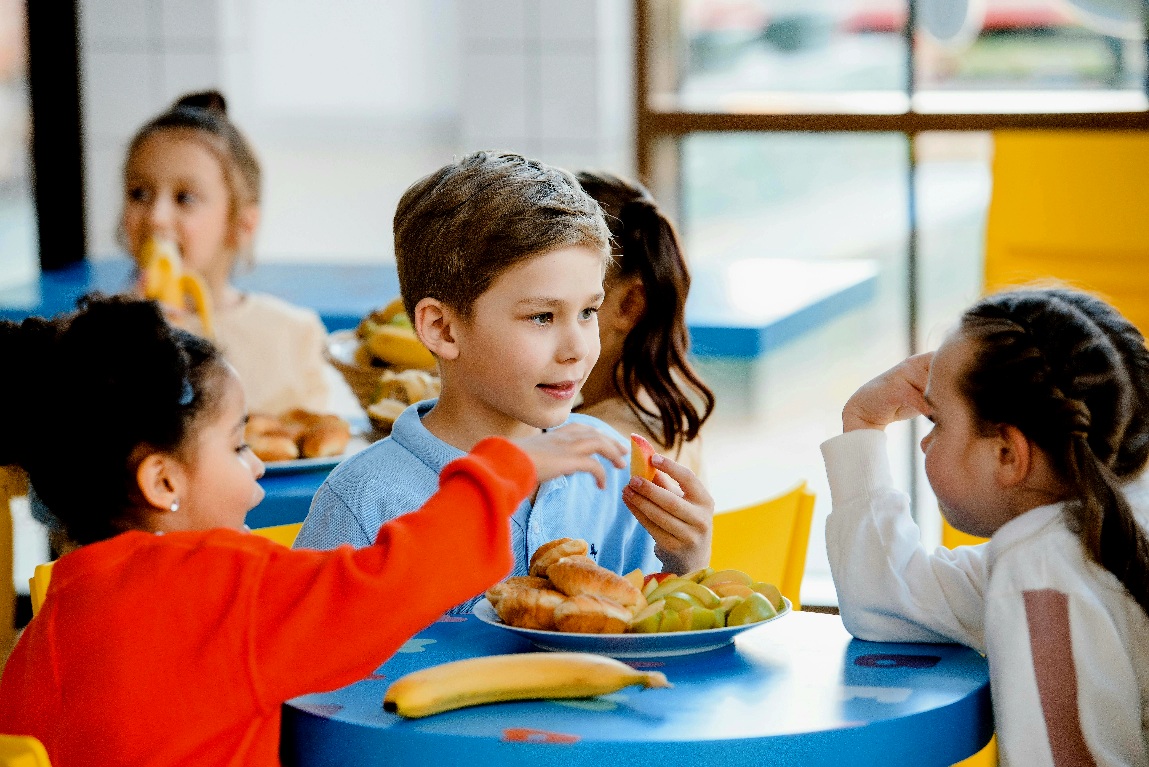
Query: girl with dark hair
x: 170, y: 635
x: 1040, y: 440
x: 192, y: 180
x: 643, y: 381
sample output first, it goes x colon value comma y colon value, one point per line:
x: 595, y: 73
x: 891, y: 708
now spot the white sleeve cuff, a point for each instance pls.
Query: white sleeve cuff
x: 856, y: 465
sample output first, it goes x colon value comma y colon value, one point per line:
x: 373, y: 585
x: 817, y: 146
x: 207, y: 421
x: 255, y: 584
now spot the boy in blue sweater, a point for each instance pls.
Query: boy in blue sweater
x: 501, y: 263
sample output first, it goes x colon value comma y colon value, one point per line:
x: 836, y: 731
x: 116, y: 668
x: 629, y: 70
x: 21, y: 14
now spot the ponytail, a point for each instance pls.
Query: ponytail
x: 655, y: 353
x: 1105, y: 523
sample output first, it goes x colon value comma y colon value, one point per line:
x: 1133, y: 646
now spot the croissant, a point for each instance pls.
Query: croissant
x: 502, y: 588
x: 587, y: 614
x: 577, y: 575
x: 552, y: 551
x: 530, y: 608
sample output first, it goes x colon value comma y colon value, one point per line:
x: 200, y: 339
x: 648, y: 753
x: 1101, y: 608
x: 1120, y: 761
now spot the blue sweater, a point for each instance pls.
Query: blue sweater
x: 398, y: 474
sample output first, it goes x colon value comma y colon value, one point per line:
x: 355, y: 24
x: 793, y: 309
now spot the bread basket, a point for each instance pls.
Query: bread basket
x: 382, y: 390
x: 345, y: 351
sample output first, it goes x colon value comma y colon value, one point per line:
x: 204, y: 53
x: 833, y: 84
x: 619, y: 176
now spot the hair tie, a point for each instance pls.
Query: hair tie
x: 187, y: 394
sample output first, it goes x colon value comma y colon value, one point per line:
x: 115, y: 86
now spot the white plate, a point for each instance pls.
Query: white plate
x: 356, y: 444
x: 626, y: 645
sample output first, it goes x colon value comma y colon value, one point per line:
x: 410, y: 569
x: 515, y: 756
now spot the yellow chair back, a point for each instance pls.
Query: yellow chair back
x: 1070, y: 206
x: 767, y: 540
x: 284, y: 534
x: 22, y: 751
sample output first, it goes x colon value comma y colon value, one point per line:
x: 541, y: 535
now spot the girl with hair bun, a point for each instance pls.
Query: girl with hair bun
x: 177, y: 635
x: 192, y: 179
x: 1040, y: 440
x: 643, y: 382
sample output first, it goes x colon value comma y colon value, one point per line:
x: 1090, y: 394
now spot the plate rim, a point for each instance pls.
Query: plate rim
x: 705, y: 639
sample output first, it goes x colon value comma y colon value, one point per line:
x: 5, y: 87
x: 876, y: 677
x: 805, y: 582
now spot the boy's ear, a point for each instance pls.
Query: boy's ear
x: 158, y: 481
x: 1014, y: 453
x: 436, y: 326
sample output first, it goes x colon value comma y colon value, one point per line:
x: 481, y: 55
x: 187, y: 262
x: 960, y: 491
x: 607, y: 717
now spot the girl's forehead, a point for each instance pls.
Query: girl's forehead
x: 951, y: 361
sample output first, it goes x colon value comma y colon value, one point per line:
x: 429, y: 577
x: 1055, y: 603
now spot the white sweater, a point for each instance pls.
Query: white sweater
x: 1045, y: 615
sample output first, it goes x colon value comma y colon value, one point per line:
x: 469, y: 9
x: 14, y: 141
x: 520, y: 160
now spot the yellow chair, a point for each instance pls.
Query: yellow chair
x: 13, y: 484
x: 284, y: 534
x: 38, y: 585
x: 22, y: 751
x: 767, y: 540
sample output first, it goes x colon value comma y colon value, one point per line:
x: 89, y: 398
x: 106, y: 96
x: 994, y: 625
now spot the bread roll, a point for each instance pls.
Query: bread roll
x: 530, y: 608
x: 327, y: 436
x: 575, y: 575
x: 273, y: 447
x: 587, y: 614
x: 552, y: 551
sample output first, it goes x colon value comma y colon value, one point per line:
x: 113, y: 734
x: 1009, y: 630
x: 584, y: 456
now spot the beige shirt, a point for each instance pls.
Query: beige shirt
x: 278, y: 350
x: 617, y: 413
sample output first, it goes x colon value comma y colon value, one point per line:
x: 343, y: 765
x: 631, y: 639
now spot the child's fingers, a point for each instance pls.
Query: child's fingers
x: 685, y: 479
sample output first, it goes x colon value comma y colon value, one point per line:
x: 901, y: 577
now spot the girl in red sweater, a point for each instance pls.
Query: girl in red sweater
x: 170, y: 636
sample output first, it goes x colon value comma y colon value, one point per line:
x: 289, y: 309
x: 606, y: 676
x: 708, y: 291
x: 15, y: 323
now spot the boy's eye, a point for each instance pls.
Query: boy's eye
x: 588, y: 313
x: 185, y: 198
x: 543, y: 318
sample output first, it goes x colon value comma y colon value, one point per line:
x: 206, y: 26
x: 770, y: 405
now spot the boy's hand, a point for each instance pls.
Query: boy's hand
x: 895, y: 395
x: 677, y: 512
x: 572, y: 448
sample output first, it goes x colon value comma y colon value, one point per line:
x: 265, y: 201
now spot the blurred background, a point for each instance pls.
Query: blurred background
x: 828, y: 161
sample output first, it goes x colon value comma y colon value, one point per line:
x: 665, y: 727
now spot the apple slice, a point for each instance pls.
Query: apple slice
x: 641, y: 455
x: 636, y: 578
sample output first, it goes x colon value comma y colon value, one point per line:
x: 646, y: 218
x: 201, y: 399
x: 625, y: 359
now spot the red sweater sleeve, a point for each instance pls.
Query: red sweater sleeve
x: 324, y: 619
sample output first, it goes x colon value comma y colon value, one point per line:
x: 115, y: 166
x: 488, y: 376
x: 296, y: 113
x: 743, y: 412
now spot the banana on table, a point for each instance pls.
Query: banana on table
x: 166, y: 282
x: 521, y: 676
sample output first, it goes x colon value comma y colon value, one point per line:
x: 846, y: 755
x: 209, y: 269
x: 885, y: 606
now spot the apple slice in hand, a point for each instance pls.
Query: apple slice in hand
x: 641, y: 455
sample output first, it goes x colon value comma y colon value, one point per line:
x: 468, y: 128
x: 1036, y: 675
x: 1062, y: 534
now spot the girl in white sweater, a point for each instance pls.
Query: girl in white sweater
x: 1040, y: 406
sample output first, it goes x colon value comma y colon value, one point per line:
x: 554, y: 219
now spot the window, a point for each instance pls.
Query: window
x: 821, y: 141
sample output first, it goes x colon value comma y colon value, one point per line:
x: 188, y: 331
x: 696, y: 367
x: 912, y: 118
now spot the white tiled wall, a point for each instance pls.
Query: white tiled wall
x: 348, y: 102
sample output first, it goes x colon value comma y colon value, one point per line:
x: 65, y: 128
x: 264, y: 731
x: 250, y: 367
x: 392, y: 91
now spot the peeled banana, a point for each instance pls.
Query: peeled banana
x: 166, y: 282
x: 522, y: 676
x: 388, y: 335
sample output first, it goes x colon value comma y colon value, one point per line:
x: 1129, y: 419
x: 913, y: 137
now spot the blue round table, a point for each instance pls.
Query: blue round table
x: 796, y: 691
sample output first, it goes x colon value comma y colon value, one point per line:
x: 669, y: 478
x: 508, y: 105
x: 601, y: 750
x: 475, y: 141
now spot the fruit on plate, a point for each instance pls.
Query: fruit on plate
x: 388, y: 335
x: 752, y: 609
x: 641, y: 455
x: 165, y: 280
x: 569, y: 592
x: 521, y: 676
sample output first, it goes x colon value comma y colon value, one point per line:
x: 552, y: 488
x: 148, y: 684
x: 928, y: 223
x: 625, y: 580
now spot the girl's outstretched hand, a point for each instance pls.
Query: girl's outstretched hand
x: 678, y: 513
x: 896, y: 395
x: 572, y: 448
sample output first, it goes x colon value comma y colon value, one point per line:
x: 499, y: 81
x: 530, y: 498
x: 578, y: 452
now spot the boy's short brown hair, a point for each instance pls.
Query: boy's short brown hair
x: 459, y: 228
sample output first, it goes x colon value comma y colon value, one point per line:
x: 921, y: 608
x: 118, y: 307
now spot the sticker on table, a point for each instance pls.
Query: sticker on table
x: 416, y: 645
x: 527, y: 735
x: 893, y: 660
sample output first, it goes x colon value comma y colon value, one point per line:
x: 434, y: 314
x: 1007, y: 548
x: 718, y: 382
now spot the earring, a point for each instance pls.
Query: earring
x: 175, y: 505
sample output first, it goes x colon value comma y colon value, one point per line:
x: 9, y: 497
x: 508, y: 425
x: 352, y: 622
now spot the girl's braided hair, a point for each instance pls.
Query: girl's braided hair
x: 1073, y: 375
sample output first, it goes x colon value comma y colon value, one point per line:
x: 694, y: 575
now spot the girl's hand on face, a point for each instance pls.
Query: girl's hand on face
x: 896, y: 395
x: 572, y: 448
x: 677, y: 511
